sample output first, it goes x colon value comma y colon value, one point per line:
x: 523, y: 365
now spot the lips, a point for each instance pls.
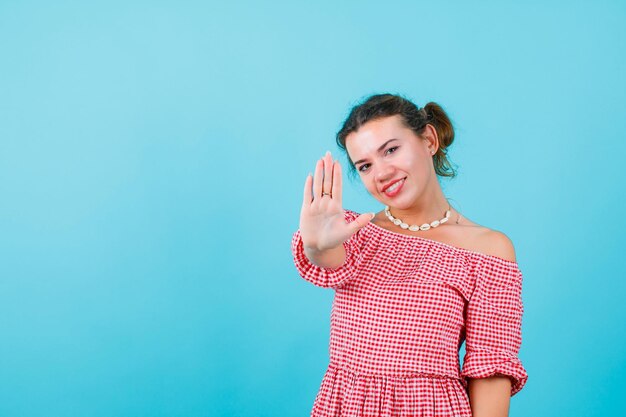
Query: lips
x: 394, y: 192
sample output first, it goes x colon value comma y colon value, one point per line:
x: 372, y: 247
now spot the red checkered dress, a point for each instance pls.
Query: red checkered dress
x: 403, y: 306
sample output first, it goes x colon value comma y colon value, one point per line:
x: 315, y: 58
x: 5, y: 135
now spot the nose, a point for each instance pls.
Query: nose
x: 384, y: 173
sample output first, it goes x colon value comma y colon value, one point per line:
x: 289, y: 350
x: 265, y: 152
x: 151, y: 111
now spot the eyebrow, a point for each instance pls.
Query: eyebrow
x: 379, y: 149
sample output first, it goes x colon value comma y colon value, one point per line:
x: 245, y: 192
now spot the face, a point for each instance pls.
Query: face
x: 394, y: 163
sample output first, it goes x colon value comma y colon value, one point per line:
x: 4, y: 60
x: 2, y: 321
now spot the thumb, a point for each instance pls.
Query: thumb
x: 362, y: 221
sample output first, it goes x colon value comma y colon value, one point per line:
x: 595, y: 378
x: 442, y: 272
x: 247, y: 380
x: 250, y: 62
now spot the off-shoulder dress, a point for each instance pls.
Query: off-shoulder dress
x: 403, y: 306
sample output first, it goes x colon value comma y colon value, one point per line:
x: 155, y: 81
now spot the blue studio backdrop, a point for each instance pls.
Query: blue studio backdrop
x: 152, y: 160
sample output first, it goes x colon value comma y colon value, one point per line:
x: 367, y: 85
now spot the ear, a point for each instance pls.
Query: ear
x: 430, y: 135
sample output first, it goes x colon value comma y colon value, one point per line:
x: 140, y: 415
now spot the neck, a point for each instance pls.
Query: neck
x: 431, y: 206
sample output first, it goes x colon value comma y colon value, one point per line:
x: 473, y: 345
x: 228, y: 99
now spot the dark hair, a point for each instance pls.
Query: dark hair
x: 383, y: 105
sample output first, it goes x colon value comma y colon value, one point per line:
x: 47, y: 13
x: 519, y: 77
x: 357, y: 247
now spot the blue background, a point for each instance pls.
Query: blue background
x: 152, y: 160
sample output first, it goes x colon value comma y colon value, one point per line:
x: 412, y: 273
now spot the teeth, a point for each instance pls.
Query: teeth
x: 396, y: 185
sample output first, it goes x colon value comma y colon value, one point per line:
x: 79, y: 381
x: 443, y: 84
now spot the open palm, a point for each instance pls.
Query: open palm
x: 322, y: 222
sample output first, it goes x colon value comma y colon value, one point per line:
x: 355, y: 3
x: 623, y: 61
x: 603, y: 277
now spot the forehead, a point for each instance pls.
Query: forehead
x: 374, y: 133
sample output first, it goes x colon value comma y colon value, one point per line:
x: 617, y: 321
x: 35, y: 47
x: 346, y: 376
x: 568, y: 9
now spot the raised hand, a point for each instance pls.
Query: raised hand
x: 322, y: 223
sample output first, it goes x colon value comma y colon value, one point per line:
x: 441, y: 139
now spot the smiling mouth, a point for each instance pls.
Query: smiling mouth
x: 394, y: 188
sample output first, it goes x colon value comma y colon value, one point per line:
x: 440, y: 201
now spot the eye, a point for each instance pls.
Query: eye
x: 394, y: 149
x: 361, y: 167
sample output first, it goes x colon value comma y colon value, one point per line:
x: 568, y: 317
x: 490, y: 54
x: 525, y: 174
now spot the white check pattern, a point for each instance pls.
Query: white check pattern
x: 403, y: 307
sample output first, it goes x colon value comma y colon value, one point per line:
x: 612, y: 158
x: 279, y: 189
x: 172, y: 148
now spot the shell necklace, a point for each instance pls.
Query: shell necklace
x: 415, y: 228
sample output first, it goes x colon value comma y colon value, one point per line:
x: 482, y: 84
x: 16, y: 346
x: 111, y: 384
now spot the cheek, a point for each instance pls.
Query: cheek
x: 424, y: 172
x: 421, y: 165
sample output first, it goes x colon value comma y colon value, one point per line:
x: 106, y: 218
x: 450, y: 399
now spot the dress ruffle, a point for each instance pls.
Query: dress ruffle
x: 477, y: 364
x: 348, y: 394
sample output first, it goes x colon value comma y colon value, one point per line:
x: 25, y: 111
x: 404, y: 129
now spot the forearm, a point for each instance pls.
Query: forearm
x: 329, y: 258
x: 490, y: 397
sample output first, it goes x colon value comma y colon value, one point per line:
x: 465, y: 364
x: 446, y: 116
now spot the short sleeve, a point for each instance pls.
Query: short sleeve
x: 329, y: 277
x: 493, y: 323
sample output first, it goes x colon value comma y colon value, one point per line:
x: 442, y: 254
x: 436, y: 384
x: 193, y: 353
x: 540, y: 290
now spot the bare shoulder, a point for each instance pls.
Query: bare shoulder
x: 491, y: 242
x: 496, y: 243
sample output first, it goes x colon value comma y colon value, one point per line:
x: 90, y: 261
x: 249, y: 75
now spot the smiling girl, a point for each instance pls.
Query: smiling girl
x: 413, y: 281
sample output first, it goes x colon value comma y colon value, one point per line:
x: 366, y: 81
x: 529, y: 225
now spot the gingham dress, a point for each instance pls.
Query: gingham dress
x: 403, y: 305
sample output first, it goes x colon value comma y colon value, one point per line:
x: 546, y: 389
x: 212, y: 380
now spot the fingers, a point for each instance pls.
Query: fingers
x: 323, y: 178
x: 317, y: 179
x: 328, y: 173
x: 336, y: 190
x: 308, y: 196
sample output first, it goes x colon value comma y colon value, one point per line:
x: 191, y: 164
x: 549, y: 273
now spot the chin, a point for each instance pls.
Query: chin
x: 395, y: 204
x: 403, y: 203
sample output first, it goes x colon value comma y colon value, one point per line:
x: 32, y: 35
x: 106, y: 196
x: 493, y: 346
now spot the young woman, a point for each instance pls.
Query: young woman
x: 413, y: 281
